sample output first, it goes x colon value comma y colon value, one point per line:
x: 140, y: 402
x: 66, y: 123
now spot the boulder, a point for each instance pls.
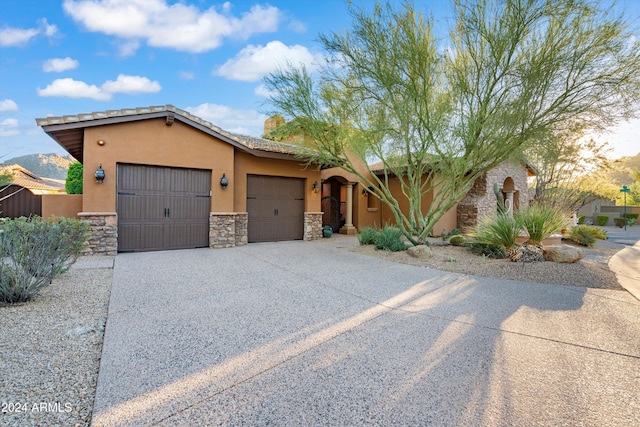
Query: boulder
x: 420, y: 251
x: 563, y: 253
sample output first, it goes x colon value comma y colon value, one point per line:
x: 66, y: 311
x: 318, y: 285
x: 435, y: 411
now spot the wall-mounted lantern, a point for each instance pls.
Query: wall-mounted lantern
x: 224, y: 182
x: 100, y: 174
x: 315, y: 187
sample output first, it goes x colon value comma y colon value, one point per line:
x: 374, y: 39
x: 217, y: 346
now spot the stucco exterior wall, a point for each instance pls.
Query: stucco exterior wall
x: 152, y: 142
x: 64, y: 205
x: 246, y: 164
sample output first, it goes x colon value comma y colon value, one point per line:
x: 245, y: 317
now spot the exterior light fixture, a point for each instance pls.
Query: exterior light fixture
x: 100, y: 142
x: 100, y: 174
x: 315, y: 187
x: 224, y: 182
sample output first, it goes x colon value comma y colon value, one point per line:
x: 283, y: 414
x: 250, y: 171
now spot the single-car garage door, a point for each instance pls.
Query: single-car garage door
x: 276, y: 208
x: 162, y: 208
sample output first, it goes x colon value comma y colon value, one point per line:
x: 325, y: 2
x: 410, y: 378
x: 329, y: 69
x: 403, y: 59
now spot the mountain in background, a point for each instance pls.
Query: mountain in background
x: 44, y: 165
x: 620, y: 173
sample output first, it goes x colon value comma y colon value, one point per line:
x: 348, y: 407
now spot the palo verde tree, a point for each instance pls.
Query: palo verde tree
x: 439, y: 114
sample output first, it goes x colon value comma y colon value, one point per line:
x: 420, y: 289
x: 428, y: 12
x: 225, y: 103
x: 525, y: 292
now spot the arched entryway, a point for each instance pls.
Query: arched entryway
x: 337, y: 204
x: 511, y: 196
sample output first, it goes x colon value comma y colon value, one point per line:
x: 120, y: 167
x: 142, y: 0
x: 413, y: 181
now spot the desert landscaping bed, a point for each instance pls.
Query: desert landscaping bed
x: 590, y: 272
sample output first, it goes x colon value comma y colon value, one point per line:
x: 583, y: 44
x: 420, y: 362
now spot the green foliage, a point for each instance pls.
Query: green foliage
x: 390, y: 239
x: 595, y: 232
x: 73, y: 184
x: 488, y: 249
x: 631, y: 221
x: 582, y: 235
x: 541, y: 221
x: 458, y: 240
x: 602, y: 220
x: 498, y: 230
x: 619, y: 222
x: 631, y: 215
x: 512, y: 72
x: 34, y: 251
x: 367, y: 236
x: 502, y: 209
x: 453, y: 232
x: 581, y: 219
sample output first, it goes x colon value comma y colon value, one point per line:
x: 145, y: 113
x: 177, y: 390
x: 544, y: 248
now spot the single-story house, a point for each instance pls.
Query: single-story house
x: 23, y: 196
x: 160, y: 178
x: 347, y: 205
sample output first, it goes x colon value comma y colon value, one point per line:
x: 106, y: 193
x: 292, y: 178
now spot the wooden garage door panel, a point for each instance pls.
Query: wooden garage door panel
x: 162, y: 208
x: 276, y: 208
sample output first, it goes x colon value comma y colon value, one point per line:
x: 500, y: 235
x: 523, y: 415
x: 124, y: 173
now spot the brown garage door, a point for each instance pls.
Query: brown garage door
x: 162, y: 208
x: 276, y: 208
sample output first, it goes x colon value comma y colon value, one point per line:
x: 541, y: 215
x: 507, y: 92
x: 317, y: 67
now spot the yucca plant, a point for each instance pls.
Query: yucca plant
x: 541, y: 221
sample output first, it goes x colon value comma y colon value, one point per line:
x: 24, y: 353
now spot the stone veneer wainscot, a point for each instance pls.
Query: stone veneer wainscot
x: 103, y: 235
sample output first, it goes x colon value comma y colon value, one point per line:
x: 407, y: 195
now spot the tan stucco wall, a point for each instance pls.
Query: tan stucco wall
x: 64, y: 205
x: 151, y: 142
x: 246, y: 164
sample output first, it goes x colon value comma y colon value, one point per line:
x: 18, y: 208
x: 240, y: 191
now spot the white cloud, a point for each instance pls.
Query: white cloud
x: 12, y: 37
x: 254, y: 62
x: 70, y: 88
x: 128, y: 48
x: 9, y: 127
x: 178, y: 26
x: 131, y: 85
x: 187, y: 75
x: 8, y: 105
x: 16, y: 36
x: 262, y: 91
x: 248, y: 122
x: 57, y: 65
x: 297, y: 26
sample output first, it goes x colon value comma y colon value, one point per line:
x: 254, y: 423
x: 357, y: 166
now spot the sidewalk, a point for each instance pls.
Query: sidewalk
x: 626, y: 263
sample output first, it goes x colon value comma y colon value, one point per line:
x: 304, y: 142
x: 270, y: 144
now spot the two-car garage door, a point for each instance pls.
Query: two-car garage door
x: 162, y: 208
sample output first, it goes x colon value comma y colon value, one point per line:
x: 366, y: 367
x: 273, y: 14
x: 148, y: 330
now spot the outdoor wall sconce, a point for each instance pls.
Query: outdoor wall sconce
x: 224, y: 182
x: 315, y: 187
x: 100, y: 142
x: 100, y: 174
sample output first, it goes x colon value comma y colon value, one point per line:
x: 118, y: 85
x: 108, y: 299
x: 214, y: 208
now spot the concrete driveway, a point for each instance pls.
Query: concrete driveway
x: 307, y: 333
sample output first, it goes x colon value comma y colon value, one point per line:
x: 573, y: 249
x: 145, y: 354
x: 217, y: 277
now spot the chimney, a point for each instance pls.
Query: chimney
x: 273, y: 122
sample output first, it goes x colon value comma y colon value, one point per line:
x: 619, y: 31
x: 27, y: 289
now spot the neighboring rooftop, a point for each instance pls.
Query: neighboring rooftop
x: 68, y: 131
x: 37, y: 185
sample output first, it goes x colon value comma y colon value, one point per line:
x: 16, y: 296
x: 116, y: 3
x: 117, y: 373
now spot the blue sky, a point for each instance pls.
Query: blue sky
x: 65, y: 57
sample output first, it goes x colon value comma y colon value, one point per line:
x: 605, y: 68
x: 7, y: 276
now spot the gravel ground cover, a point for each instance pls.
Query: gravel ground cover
x: 590, y: 272
x: 50, y: 351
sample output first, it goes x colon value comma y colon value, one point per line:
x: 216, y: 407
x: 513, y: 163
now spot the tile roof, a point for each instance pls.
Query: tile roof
x: 37, y: 185
x: 51, y: 125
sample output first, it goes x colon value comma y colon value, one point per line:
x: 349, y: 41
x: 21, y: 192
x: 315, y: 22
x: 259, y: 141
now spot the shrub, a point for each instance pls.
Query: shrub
x: 500, y: 230
x: 454, y: 232
x: 389, y: 239
x: 367, y: 236
x: 631, y: 221
x: 618, y: 222
x: 631, y: 216
x: 581, y: 219
x: 458, y: 240
x: 541, y: 221
x: 488, y: 249
x: 34, y: 251
x: 73, y: 184
x: 582, y: 235
x: 602, y: 220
